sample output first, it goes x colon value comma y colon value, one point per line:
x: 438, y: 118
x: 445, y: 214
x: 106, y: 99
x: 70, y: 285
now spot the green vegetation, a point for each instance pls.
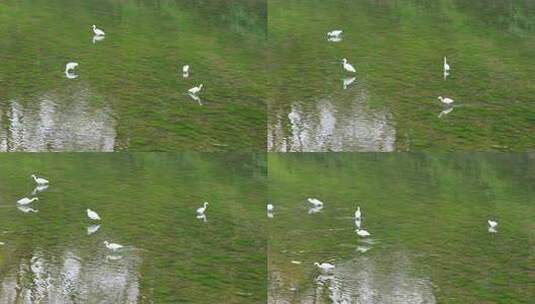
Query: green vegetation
x: 397, y: 48
x: 427, y: 215
x: 135, y: 70
x: 147, y: 202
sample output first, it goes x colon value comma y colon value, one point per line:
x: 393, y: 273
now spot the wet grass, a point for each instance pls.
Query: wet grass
x: 397, y: 48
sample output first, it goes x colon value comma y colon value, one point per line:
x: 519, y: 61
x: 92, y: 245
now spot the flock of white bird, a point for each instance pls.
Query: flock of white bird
x: 42, y: 185
x: 336, y: 36
x: 99, y: 35
x: 316, y: 204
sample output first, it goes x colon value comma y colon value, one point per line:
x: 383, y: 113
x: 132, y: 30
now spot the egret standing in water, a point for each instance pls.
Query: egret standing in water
x: 445, y: 100
x: 446, y: 66
x: 335, y: 33
x: 39, y: 180
x: 270, y: 209
x: 195, y: 90
x: 325, y: 267
x: 113, y: 246
x: 185, y: 71
x: 493, y: 225
x: 93, y: 215
x: 97, y: 31
x: 347, y: 66
x: 334, y: 36
x: 69, y: 70
x: 201, y: 210
x: 26, y: 201
x: 316, y: 202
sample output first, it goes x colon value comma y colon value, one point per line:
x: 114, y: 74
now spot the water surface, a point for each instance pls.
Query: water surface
x: 129, y: 93
x: 50, y: 252
x: 427, y: 215
x: 397, y: 49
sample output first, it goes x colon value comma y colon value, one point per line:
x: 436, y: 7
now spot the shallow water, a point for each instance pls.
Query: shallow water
x: 130, y: 93
x: 397, y: 48
x: 427, y: 215
x: 52, y: 253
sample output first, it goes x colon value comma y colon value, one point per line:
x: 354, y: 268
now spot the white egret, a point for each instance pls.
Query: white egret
x: 492, y: 223
x: 69, y: 70
x: 348, y: 82
x: 97, y: 31
x: 113, y: 246
x: 39, y: 180
x: 446, y: 66
x: 362, y: 232
x: 358, y: 214
x: 27, y: 209
x: 335, y: 33
x: 316, y: 202
x: 347, y: 66
x: 185, y: 69
x: 195, y: 90
x: 202, y: 209
x: 445, y: 100
x: 71, y: 66
x: 325, y: 267
x: 26, y: 201
x: 92, y: 229
x: 92, y: 215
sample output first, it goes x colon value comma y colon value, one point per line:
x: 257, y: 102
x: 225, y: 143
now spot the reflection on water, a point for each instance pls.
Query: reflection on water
x: 387, y: 277
x: 424, y: 236
x: 333, y: 126
x: 54, y: 122
x: 67, y: 278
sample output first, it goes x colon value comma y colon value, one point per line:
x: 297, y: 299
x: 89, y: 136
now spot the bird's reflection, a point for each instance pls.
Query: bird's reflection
x: 358, y: 222
x: 492, y: 230
x: 348, y: 82
x: 113, y: 257
x: 70, y: 74
x: 334, y: 39
x: 39, y: 189
x: 446, y: 74
x: 185, y: 74
x: 315, y: 209
x: 98, y: 38
x: 270, y: 214
x: 202, y: 217
x: 27, y: 209
x: 92, y: 229
x: 363, y: 248
x: 446, y: 111
x: 196, y: 98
